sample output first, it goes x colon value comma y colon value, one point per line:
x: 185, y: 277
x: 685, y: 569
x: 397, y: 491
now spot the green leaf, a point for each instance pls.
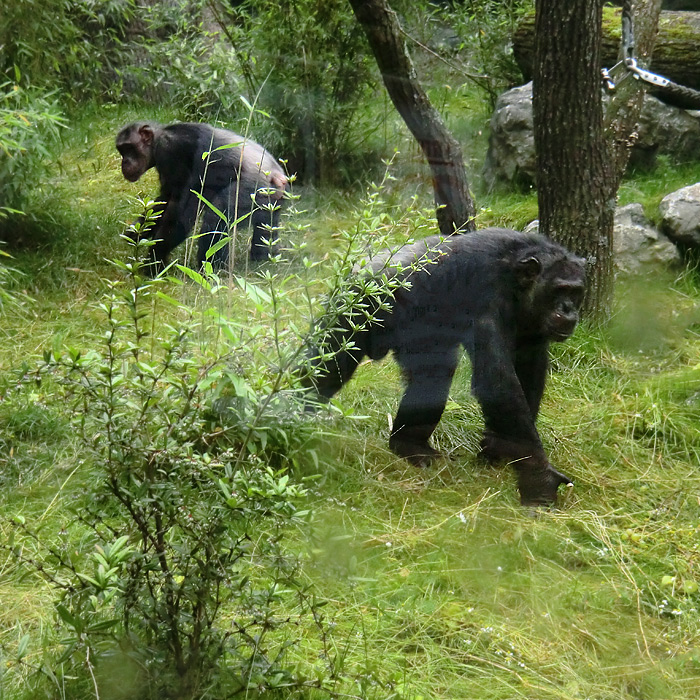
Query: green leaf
x: 221, y: 243
x: 256, y: 294
x: 67, y: 617
x: 194, y: 276
x: 22, y: 647
x: 690, y: 587
x: 209, y: 205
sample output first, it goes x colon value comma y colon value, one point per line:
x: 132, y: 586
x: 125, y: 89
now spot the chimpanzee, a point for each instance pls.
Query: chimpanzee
x: 236, y: 175
x: 502, y: 295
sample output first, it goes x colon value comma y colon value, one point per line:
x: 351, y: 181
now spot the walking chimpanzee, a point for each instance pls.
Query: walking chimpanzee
x: 235, y: 175
x: 502, y: 295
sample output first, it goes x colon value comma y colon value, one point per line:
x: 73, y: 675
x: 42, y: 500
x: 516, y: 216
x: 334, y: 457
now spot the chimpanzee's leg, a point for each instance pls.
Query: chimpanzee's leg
x: 428, y: 378
x: 333, y: 373
x: 264, y: 221
x: 330, y: 374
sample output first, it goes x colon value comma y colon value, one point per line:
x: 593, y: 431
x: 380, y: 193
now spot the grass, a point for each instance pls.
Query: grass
x: 439, y: 585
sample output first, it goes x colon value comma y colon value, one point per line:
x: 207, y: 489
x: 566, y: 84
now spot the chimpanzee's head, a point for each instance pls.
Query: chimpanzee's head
x: 553, y: 288
x: 135, y: 143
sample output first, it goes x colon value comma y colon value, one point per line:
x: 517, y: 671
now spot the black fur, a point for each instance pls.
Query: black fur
x: 502, y: 295
x: 230, y: 178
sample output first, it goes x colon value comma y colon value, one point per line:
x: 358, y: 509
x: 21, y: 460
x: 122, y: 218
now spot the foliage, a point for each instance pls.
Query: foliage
x: 74, y: 45
x: 184, y: 515
x: 193, y: 456
x: 484, y: 29
x: 305, y: 63
x: 29, y: 122
x: 9, y: 297
x: 195, y: 73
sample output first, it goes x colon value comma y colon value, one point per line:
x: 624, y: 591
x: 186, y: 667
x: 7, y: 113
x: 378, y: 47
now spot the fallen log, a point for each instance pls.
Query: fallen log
x: 676, y: 52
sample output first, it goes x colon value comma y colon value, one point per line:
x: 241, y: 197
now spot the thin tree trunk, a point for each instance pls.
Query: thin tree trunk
x: 455, y: 207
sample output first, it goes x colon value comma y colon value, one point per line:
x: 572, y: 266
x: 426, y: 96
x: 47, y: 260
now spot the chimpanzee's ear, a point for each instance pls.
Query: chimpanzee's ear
x: 146, y: 134
x: 527, y: 270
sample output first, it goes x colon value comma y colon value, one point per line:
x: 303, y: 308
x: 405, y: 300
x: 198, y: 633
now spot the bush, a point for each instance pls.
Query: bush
x: 29, y: 122
x: 484, y: 30
x: 195, y: 74
x: 184, y: 517
x: 173, y: 578
x: 74, y: 45
x: 305, y: 63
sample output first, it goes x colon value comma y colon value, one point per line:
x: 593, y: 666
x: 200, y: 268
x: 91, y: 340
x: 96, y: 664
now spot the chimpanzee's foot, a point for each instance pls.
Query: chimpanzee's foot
x: 419, y: 454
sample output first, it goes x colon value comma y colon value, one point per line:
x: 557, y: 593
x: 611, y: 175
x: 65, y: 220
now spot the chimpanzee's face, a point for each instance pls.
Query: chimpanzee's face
x: 552, y: 296
x: 561, y: 296
x: 136, y: 148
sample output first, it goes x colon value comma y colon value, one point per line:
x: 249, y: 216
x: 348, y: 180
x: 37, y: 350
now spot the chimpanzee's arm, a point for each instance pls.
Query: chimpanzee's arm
x: 531, y: 363
x: 510, y: 407
x: 495, y: 383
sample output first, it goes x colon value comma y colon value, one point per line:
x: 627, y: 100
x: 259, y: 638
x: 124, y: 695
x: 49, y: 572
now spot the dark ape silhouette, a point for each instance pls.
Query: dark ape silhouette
x: 235, y: 175
x: 502, y: 295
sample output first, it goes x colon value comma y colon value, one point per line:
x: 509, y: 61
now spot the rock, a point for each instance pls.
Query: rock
x: 510, y: 159
x: 511, y: 153
x: 637, y: 245
x: 665, y: 130
x: 680, y: 218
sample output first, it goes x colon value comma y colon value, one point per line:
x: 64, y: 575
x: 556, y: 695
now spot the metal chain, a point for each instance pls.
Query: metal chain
x: 663, y: 88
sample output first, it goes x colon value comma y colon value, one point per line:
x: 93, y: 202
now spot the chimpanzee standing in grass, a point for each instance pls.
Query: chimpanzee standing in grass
x: 502, y: 295
x: 235, y: 175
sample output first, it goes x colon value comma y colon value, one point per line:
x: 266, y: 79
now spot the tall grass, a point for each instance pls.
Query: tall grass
x: 437, y: 584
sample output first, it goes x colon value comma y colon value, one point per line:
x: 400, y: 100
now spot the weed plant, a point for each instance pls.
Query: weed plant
x: 182, y: 518
x: 29, y: 123
x: 193, y: 460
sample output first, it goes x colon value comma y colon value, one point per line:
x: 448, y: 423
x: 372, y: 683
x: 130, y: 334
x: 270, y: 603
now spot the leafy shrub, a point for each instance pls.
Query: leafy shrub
x: 29, y: 122
x: 177, y: 57
x: 305, y: 63
x: 184, y: 517
x: 196, y: 74
x: 173, y: 579
x: 484, y: 29
x: 76, y: 45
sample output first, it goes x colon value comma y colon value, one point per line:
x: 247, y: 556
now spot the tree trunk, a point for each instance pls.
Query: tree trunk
x: 455, y: 207
x: 676, y: 51
x: 581, y: 158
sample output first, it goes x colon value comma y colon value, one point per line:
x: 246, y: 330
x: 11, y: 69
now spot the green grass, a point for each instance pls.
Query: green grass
x: 439, y: 585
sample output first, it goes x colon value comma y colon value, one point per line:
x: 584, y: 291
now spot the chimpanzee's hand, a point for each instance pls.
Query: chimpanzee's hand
x: 538, y: 480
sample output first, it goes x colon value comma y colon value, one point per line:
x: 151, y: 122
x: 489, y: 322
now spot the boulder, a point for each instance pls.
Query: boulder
x: 511, y: 154
x: 665, y: 130
x: 510, y: 159
x: 680, y: 218
x: 637, y: 245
